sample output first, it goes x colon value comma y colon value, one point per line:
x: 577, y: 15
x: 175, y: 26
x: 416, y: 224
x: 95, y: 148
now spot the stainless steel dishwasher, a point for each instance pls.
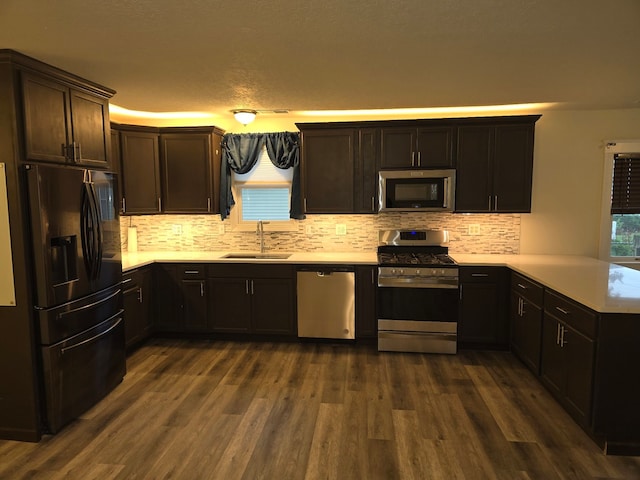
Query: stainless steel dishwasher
x: 326, y: 302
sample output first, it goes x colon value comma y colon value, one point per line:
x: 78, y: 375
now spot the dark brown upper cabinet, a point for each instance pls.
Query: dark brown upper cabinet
x: 494, y: 166
x: 140, y: 170
x: 64, y: 124
x: 190, y: 166
x: 169, y: 169
x: 339, y: 169
x: 328, y: 170
x: 423, y: 147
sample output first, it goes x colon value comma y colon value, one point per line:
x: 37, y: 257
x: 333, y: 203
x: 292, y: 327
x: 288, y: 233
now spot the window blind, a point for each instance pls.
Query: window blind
x: 625, y: 195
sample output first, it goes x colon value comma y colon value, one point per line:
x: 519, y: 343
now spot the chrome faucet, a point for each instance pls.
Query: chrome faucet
x: 261, y: 233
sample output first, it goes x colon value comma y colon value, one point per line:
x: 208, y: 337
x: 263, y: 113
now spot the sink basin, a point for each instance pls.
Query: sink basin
x: 258, y: 256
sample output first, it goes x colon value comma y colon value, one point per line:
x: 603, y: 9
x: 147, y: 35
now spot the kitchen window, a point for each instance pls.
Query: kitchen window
x: 620, y: 229
x: 264, y: 193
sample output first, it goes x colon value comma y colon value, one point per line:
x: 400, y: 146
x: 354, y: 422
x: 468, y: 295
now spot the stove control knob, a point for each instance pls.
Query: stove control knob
x: 417, y: 272
x: 401, y: 271
x: 434, y: 272
x: 393, y: 271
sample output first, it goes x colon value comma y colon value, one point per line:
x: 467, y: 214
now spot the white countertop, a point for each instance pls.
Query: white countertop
x: 134, y: 260
x: 601, y: 286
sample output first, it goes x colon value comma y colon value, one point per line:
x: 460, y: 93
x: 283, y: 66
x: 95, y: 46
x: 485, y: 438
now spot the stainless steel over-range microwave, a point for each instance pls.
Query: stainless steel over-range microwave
x: 416, y: 190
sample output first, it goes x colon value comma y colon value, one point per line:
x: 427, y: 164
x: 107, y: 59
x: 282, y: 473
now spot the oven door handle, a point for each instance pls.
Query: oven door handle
x: 400, y: 334
x: 413, y: 283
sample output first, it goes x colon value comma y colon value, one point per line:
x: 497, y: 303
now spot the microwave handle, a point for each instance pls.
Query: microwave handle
x: 446, y: 189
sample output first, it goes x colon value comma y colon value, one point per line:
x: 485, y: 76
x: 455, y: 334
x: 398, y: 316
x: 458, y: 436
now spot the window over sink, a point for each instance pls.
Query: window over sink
x: 264, y: 193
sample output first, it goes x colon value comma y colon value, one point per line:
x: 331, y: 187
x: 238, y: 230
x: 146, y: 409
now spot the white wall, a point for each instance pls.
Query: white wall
x: 567, y: 179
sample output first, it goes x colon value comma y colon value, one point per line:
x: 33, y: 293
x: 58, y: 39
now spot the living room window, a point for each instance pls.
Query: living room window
x: 620, y: 229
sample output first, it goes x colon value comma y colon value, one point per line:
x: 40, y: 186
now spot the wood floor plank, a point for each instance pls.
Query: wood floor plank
x: 227, y: 410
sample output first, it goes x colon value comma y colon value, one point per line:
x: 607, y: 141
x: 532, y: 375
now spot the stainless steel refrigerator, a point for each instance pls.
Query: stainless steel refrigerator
x: 75, y: 232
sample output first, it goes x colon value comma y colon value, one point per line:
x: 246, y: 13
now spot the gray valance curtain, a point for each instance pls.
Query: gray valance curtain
x: 240, y: 153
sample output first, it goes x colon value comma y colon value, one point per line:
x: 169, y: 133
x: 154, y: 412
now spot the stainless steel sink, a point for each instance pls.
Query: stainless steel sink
x: 258, y: 256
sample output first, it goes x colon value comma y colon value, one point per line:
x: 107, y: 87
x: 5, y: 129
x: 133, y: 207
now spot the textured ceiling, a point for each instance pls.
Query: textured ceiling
x: 213, y: 56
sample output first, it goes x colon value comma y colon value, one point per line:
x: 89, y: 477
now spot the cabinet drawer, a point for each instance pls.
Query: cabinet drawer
x: 131, y: 279
x: 479, y: 274
x: 188, y: 271
x: 249, y: 270
x: 527, y: 288
x: 572, y: 313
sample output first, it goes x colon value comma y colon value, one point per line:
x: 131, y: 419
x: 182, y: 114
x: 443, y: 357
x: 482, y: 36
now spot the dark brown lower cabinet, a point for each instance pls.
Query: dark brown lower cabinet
x: 181, y: 298
x: 526, y: 320
x: 366, y: 315
x: 137, y: 298
x: 568, y: 355
x: 483, y: 314
x: 249, y: 298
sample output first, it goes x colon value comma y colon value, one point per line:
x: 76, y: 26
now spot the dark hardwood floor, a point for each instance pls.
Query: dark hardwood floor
x: 239, y: 410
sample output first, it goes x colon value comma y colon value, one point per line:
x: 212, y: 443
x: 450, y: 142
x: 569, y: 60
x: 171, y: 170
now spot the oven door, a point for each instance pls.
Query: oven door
x: 417, y: 319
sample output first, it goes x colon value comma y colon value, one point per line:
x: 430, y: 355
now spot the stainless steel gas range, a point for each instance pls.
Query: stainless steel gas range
x: 417, y: 292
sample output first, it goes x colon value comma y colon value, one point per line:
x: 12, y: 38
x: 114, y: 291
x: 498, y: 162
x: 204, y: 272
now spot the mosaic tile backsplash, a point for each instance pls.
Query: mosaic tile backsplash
x: 481, y: 233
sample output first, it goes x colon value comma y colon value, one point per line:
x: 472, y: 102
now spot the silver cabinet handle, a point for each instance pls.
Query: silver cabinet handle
x: 522, y: 304
x: 519, y: 306
x: 127, y: 280
x: 479, y: 274
x: 202, y: 289
x: 413, y: 159
x: 489, y: 202
x: 124, y: 205
x: 562, y: 342
x: 524, y: 287
x: 208, y: 204
x: 251, y: 287
x: 79, y: 148
x: 495, y: 202
x: 373, y: 204
x: 246, y: 284
x: 562, y: 310
x: 191, y: 272
x: 159, y: 204
x: 461, y: 285
x: 558, y: 334
x: 305, y: 204
x: 419, y: 159
x: 140, y: 295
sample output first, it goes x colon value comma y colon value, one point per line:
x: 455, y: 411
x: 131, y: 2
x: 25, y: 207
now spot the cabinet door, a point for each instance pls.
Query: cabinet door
x: 116, y: 163
x: 133, y: 313
x: 473, y: 176
x: 194, y: 305
x: 145, y: 297
x: 526, y: 331
x: 512, y: 168
x: 398, y: 148
x: 435, y: 147
x: 272, y: 303
x: 328, y: 170
x: 366, y: 171
x: 140, y: 172
x: 366, y: 289
x: 483, y: 316
x: 186, y: 172
x: 552, y: 369
x: 90, y: 127
x: 579, y: 352
x: 229, y: 309
x: 46, y: 118
x: 167, y: 302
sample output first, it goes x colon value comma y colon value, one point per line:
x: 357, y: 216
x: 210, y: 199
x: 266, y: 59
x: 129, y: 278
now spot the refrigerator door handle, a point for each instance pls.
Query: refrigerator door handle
x: 86, y: 230
x: 98, y: 240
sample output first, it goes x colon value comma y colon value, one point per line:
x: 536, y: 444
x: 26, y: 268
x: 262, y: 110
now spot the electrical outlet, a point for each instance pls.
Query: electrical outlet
x: 474, y: 229
x: 176, y: 229
x: 221, y: 229
x: 341, y: 229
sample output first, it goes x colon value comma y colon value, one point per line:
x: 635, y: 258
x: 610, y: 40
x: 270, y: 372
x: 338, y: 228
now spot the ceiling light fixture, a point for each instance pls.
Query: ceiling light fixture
x: 245, y: 117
